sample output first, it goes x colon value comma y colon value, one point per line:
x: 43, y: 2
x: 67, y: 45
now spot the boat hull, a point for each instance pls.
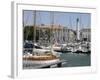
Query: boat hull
x: 39, y: 62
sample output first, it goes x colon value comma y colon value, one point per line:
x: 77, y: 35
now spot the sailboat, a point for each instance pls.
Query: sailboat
x: 40, y: 55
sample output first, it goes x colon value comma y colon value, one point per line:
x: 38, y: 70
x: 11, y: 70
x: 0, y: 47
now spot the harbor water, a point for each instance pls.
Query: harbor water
x: 76, y: 60
x: 73, y: 60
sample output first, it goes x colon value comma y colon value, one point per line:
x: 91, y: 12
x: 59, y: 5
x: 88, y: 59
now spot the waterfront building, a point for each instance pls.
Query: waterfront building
x: 46, y: 33
x: 60, y: 34
x: 85, y: 34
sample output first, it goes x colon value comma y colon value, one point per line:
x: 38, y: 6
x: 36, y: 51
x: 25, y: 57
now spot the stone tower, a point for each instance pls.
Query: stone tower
x: 77, y: 29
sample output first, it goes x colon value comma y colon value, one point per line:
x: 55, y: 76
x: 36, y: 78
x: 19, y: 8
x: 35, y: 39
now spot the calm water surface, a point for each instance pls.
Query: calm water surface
x: 74, y: 59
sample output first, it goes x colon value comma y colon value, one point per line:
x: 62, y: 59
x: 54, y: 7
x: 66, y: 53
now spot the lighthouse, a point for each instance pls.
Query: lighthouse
x: 77, y: 29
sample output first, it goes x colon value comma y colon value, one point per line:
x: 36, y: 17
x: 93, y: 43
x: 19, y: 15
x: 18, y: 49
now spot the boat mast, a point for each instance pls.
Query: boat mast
x: 51, y: 29
x: 26, y: 36
x: 34, y: 28
x: 39, y: 27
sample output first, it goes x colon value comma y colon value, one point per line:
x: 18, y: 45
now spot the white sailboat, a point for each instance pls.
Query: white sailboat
x: 40, y: 55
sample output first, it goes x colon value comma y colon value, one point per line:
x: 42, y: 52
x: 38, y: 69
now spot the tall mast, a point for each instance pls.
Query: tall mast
x: 26, y: 36
x: 52, y: 24
x: 51, y: 29
x: 34, y: 27
x: 39, y: 26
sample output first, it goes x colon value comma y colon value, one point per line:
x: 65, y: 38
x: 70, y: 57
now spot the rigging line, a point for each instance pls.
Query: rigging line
x: 52, y: 24
x: 80, y: 21
x: 27, y: 18
x: 70, y: 22
x: 34, y: 26
x: 39, y: 25
x: 51, y: 29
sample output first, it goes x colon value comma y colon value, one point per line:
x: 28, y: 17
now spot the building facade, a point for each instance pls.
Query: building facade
x: 60, y: 34
x: 85, y: 34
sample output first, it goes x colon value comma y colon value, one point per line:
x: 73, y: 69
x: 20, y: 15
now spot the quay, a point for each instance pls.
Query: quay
x: 47, y: 65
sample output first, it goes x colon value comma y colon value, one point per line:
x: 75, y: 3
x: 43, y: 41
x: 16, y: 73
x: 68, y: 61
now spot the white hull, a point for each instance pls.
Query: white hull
x: 40, y: 50
x: 40, y: 62
x: 53, y: 47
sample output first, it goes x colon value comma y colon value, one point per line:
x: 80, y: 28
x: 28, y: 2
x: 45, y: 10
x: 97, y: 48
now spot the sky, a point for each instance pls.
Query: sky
x: 67, y: 19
